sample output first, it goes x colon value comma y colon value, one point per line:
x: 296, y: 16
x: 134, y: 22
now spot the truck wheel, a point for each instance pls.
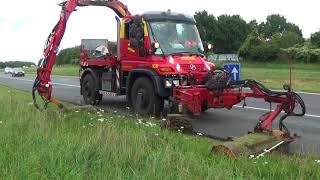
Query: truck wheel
x: 89, y: 93
x: 149, y: 103
x: 204, y: 107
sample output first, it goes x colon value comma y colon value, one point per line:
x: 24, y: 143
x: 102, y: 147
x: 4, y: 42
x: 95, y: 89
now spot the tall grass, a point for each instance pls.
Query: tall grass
x: 97, y: 145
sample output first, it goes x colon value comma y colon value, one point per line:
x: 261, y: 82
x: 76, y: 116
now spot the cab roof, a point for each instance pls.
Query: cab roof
x: 165, y: 16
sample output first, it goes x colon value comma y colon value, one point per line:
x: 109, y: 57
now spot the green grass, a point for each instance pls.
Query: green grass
x: 76, y: 145
x: 305, y: 77
x: 66, y: 70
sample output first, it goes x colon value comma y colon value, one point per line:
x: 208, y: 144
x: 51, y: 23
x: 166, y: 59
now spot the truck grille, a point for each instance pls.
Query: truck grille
x: 186, y: 67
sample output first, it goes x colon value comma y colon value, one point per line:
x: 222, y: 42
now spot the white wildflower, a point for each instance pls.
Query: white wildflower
x: 151, y: 124
x: 251, y: 156
x: 101, y: 120
x: 317, y: 161
x: 164, y: 119
x: 179, y: 130
x: 139, y: 121
x: 100, y: 115
x: 181, y: 127
x: 128, y: 108
x: 76, y: 111
x: 115, y: 111
x: 101, y: 110
x: 199, y: 134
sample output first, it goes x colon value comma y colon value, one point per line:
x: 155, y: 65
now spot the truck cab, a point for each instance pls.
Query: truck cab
x: 156, y: 52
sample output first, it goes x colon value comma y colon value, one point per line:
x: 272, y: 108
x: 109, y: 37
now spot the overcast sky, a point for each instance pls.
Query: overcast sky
x: 25, y: 24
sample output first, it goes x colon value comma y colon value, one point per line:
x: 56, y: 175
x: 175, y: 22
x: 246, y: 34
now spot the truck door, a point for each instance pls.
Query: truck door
x: 133, y: 48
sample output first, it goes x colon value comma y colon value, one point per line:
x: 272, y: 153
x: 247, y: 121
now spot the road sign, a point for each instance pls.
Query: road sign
x: 234, y: 70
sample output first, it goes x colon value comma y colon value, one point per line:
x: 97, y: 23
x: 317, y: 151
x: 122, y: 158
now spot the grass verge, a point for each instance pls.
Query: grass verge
x: 305, y: 77
x: 66, y: 70
x: 96, y: 145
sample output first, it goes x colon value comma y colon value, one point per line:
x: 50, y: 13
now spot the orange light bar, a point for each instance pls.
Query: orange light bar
x: 166, y: 69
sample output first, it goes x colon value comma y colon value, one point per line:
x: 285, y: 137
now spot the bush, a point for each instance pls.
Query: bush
x: 315, y: 39
x: 305, y: 54
x: 264, y: 52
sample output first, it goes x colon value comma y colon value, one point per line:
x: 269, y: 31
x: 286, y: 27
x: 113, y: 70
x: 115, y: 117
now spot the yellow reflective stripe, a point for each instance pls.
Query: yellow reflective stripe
x: 122, y: 30
x: 131, y: 50
x: 145, y: 28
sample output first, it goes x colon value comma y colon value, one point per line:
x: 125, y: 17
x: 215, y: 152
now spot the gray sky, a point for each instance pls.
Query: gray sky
x: 25, y: 24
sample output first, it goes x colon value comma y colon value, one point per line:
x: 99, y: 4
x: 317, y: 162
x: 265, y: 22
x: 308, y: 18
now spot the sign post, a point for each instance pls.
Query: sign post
x: 234, y: 70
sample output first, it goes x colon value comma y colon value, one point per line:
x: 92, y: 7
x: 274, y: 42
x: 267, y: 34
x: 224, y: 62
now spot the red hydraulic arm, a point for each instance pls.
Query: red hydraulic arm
x: 42, y: 83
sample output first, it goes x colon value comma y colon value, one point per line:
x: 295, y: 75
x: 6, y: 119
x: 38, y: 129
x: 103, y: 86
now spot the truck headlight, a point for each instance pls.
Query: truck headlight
x: 176, y: 82
x: 168, y: 83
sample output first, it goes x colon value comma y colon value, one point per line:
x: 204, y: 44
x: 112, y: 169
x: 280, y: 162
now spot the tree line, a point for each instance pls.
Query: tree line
x: 274, y: 39
x: 14, y: 64
x: 271, y: 40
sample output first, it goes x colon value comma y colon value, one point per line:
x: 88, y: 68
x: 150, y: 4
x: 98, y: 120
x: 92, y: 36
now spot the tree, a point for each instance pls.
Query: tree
x: 277, y: 24
x: 315, y: 39
x: 68, y: 56
x: 227, y: 33
x: 207, y: 25
x: 14, y: 64
x: 232, y: 32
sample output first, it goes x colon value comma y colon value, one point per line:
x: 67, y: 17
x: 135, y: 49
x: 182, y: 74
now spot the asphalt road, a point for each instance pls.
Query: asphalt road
x: 216, y: 122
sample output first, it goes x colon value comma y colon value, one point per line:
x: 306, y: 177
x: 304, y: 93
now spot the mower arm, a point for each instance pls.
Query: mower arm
x: 42, y: 83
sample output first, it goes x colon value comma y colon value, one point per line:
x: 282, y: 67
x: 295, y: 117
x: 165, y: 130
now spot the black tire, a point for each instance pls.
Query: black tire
x: 89, y: 91
x: 204, y: 107
x: 150, y: 102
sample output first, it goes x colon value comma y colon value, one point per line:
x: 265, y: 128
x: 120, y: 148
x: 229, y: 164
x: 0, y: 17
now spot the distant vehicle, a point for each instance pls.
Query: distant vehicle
x: 17, y: 72
x: 8, y: 70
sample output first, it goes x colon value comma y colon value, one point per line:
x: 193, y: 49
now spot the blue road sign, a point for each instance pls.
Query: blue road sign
x: 234, y: 70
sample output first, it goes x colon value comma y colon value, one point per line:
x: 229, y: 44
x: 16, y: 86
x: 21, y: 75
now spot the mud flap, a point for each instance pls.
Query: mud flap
x: 247, y: 145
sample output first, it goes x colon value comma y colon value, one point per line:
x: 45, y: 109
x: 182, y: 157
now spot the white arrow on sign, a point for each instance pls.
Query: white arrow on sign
x: 234, y: 72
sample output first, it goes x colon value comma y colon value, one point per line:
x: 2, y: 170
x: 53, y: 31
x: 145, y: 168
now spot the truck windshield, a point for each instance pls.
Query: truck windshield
x: 176, y: 38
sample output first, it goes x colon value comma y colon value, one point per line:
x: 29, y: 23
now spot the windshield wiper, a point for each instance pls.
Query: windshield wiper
x: 186, y: 53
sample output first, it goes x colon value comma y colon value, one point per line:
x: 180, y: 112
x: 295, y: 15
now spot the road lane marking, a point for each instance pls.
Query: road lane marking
x: 262, y: 109
x: 59, y: 84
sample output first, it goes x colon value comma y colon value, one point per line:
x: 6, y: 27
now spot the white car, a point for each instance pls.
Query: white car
x: 8, y: 70
x: 17, y: 72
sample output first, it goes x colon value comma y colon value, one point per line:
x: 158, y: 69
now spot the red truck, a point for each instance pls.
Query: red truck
x: 158, y: 56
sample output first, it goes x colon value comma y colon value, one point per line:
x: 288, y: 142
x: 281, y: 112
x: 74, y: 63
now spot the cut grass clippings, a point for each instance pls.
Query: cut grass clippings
x: 97, y: 145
